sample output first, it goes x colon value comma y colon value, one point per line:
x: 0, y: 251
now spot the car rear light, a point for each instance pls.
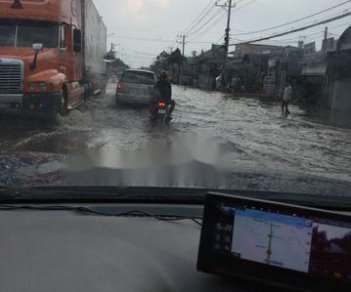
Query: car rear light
x: 161, y: 104
x: 120, y: 86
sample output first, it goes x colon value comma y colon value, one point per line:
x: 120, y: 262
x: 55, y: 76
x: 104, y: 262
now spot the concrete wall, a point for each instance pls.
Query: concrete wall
x: 341, y: 99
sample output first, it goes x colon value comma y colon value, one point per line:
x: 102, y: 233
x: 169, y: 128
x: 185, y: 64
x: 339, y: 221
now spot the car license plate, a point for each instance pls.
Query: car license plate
x: 162, y: 111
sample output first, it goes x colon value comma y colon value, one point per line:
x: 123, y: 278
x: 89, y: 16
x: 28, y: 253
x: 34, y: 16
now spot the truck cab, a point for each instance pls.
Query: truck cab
x: 42, y: 56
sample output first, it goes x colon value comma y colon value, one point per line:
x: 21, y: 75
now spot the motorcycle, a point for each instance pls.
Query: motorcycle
x: 161, y: 112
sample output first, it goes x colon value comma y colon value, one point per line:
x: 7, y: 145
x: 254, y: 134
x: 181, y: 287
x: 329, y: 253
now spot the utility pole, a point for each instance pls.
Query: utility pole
x: 183, y: 41
x: 325, y: 44
x: 183, y: 52
x: 228, y: 7
x: 170, y: 61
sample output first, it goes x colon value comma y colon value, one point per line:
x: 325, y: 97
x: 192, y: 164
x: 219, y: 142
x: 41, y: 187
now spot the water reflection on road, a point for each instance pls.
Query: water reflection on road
x: 250, y: 131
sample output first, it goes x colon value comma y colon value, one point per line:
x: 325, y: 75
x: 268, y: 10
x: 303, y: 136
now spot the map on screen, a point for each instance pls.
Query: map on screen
x: 273, y: 239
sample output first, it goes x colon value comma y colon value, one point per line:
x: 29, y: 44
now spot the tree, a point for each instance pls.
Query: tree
x: 194, y: 54
x: 113, y: 63
x: 161, y: 63
x: 176, y: 57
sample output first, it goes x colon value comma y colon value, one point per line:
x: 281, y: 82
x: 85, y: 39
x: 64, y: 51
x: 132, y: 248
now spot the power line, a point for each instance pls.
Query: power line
x: 243, y: 6
x: 216, y: 20
x: 297, y: 29
x: 196, y: 18
x: 222, y: 38
x: 142, y: 39
x: 209, y: 20
x: 204, y: 42
x: 239, y: 1
x: 139, y: 57
x: 319, y: 36
x: 305, y: 36
x: 213, y: 17
x: 294, y: 21
x: 206, y: 30
x: 290, y: 40
x: 143, y: 30
x: 193, y: 28
x: 142, y: 53
x: 156, y: 40
x: 341, y: 25
x: 208, y: 10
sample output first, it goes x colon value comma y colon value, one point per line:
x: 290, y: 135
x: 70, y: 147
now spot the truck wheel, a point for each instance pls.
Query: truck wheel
x: 64, y: 104
x: 88, y: 91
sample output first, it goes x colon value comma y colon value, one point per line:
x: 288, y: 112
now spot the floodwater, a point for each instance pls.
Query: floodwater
x: 244, y: 135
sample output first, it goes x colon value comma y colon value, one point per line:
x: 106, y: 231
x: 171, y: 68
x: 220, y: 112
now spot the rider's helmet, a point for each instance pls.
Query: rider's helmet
x: 164, y: 75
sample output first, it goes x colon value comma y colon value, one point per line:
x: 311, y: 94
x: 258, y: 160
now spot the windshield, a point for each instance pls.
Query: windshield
x: 138, y: 77
x: 215, y: 95
x: 26, y: 33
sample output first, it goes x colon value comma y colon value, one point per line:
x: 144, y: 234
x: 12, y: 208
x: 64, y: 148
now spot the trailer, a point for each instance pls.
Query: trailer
x: 95, y: 40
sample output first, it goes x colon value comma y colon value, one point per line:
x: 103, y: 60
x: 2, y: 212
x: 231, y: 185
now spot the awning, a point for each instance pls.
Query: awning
x: 314, y: 70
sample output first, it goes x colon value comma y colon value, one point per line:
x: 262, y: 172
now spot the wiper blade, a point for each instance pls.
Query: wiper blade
x: 103, y: 194
x: 336, y: 203
x: 98, y: 212
x: 158, y: 195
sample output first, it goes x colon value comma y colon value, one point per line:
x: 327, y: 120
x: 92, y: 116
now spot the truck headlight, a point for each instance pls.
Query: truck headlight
x: 38, y: 86
x: 32, y: 86
x: 43, y: 86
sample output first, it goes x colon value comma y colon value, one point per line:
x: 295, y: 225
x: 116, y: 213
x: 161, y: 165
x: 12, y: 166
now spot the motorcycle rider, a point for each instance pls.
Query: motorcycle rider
x: 164, y: 91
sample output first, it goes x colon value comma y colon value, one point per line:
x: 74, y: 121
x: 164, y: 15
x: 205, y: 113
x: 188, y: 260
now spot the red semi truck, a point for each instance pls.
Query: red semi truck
x: 51, y: 55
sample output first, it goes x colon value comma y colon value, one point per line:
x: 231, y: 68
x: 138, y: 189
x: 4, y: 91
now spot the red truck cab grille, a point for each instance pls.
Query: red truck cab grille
x: 11, y: 76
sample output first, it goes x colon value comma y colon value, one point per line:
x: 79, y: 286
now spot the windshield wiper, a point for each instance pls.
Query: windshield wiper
x: 102, y: 194
x: 99, y: 212
x: 158, y: 195
x: 335, y: 203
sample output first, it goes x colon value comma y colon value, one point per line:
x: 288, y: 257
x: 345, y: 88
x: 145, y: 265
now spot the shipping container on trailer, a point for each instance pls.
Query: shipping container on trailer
x: 95, y: 40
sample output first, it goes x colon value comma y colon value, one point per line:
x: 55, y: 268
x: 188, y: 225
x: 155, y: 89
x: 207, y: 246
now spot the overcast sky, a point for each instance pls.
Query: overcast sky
x: 143, y: 28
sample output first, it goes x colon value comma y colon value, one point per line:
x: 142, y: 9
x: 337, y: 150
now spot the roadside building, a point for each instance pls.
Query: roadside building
x: 312, y: 84
x: 207, y: 67
x: 265, y: 68
x: 326, y: 76
x: 339, y: 74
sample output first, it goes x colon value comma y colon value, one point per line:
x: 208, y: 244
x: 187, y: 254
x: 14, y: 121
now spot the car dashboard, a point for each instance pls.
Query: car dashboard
x: 114, y: 247
x: 65, y: 251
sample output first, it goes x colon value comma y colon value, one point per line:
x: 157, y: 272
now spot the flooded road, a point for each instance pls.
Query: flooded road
x: 251, y: 132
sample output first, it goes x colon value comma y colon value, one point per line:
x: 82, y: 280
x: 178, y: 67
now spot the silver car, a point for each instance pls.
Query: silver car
x: 135, y: 87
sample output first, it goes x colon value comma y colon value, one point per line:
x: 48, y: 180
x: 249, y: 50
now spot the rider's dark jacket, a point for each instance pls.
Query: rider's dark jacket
x: 164, y: 88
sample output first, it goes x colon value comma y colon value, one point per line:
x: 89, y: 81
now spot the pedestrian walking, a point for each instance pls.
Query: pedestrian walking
x: 286, y: 100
